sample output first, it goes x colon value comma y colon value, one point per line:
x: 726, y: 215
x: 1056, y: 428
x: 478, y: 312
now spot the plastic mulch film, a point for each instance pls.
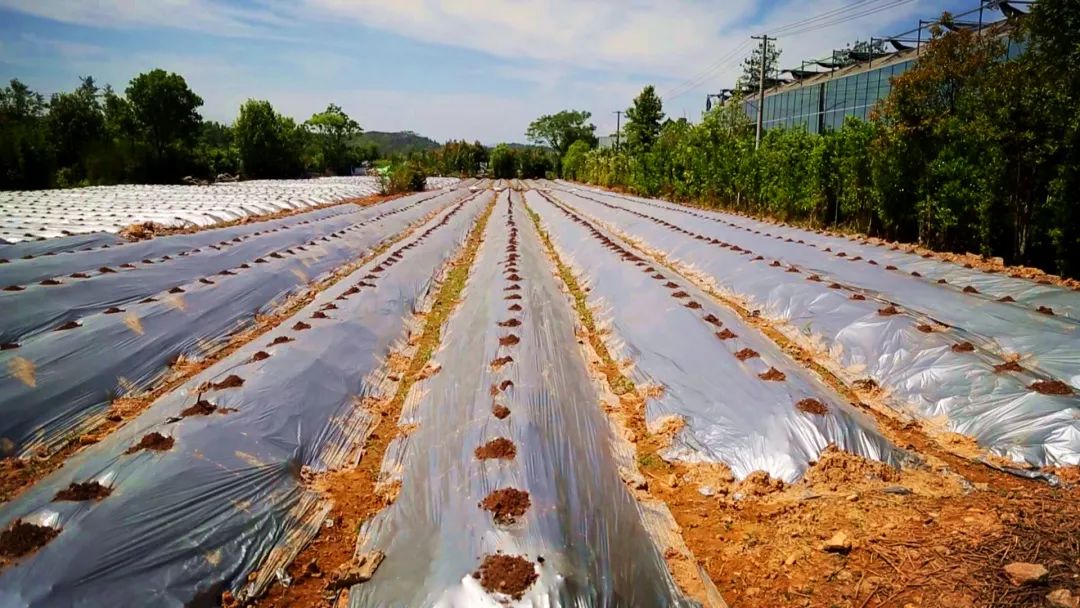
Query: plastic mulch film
x: 576, y: 537
x: 23, y: 273
x: 29, y: 215
x: 44, y: 307
x: 218, y: 491
x: 61, y: 382
x: 950, y: 377
x: 60, y: 244
x: 736, y: 394
x: 1000, y: 286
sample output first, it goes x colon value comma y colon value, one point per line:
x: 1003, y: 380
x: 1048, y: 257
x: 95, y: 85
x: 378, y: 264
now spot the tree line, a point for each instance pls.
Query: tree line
x: 153, y: 133
x: 969, y: 152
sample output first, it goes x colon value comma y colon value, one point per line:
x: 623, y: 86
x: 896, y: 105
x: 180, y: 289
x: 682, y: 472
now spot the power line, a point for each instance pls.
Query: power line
x: 726, y: 61
x: 810, y: 27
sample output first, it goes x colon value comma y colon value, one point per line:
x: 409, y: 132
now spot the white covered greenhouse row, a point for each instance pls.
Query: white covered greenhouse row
x: 36, y: 214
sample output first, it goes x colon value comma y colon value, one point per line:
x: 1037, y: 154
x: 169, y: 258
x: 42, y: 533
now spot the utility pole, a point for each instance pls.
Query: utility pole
x: 761, y: 86
x: 618, y: 127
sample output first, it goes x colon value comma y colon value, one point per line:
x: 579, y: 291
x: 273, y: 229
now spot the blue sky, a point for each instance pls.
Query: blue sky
x: 473, y: 69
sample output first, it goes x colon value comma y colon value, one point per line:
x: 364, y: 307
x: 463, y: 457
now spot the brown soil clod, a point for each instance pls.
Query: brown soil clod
x: 509, y: 323
x: 888, y: 311
x: 506, y: 505
x: 497, y: 364
x: 680, y: 294
x: 812, y: 406
x: 358, y: 570
x: 1006, y: 299
x: 22, y: 538
x: 970, y: 289
x: 112, y: 310
x: 511, y: 575
x: 858, y: 297
x: 48, y: 282
x: 318, y: 314
x: 500, y: 411
x: 68, y: 325
x: 772, y: 375
x: 501, y: 448
x: 693, y: 305
x: 726, y: 334
x: 155, y: 442
x: 1008, y: 366
x: 509, y: 340
x: 963, y: 347
x: 201, y: 408
x: 300, y: 326
x: 259, y: 356
x: 230, y: 381
x: 281, y: 340
x: 515, y: 308
x: 671, y: 285
x: 78, y: 492
x: 711, y: 318
x: 1046, y: 310
x: 1051, y: 387
x: 925, y: 328
x: 9, y: 346
x: 746, y: 353
x: 176, y: 290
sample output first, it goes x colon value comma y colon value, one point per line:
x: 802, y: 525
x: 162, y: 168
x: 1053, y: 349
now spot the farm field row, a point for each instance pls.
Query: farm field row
x: 532, y: 394
x: 27, y: 216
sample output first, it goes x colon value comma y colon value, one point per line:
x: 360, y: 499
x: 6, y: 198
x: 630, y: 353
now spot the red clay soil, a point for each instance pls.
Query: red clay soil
x: 154, y: 441
x: 1051, y: 387
x: 506, y: 505
x: 773, y: 375
x: 22, y: 538
x: 507, y: 574
x: 500, y: 411
x: 1008, y: 366
x: 501, y: 361
x: 501, y: 448
x: 963, y: 347
x: 77, y: 492
x: 812, y: 406
x: 746, y: 353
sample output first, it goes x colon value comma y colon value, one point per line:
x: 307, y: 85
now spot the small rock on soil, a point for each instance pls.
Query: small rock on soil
x: 1022, y: 573
x: 360, y: 570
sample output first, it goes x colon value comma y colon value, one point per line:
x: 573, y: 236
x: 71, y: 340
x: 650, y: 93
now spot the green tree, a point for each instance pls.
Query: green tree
x: 644, y: 120
x: 76, y: 128
x: 750, y: 78
x: 334, y: 131
x: 269, y: 145
x: 573, y: 163
x: 25, y: 155
x: 166, y: 113
x: 559, y: 131
x: 503, y: 163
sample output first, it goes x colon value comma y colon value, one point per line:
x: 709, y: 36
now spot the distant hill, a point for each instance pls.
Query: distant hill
x: 400, y: 142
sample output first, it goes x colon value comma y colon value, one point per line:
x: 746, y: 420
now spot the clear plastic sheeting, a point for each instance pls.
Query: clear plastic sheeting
x: 39, y: 308
x: 27, y: 215
x: 582, y: 531
x: 996, y: 285
x: 184, y: 524
x: 730, y: 413
x: 76, y: 372
x: 26, y: 272
x: 62, y: 244
x: 954, y: 377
